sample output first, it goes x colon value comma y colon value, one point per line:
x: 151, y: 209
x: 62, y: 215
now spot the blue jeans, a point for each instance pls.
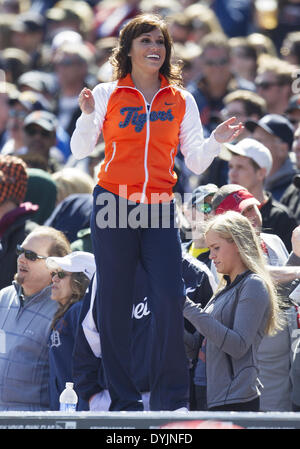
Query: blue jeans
x: 118, y: 247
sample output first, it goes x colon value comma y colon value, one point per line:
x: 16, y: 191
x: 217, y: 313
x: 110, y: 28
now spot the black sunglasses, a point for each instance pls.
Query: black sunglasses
x: 266, y: 84
x: 30, y: 255
x: 216, y: 62
x: 34, y: 131
x: 60, y: 274
x: 69, y: 62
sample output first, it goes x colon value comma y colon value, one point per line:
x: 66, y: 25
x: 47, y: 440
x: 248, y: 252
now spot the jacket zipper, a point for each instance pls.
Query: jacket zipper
x: 147, y: 135
x: 112, y: 157
x: 147, y: 141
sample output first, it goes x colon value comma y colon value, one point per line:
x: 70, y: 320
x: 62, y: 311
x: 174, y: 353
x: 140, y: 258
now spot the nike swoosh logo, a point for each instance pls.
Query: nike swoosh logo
x: 169, y: 104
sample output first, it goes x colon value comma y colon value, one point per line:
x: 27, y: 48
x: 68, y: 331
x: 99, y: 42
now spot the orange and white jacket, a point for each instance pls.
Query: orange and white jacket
x: 141, y: 140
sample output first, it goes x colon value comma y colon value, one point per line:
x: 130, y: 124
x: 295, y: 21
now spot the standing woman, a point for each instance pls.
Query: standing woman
x: 144, y: 114
x: 236, y: 318
x: 71, y: 277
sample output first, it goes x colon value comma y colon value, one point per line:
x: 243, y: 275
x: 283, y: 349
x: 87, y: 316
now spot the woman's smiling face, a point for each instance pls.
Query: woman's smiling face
x: 148, y: 52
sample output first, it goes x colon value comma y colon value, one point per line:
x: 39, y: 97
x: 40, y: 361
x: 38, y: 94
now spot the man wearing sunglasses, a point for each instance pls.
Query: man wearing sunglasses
x: 274, y: 83
x: 216, y: 80
x: 25, y: 321
x: 39, y: 131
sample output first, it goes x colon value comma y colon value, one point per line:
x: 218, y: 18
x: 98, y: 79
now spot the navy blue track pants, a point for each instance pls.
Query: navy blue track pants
x: 119, y: 244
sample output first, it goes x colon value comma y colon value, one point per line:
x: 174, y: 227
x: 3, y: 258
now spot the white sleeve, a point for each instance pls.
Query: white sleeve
x: 88, y: 126
x: 89, y: 327
x: 198, y: 152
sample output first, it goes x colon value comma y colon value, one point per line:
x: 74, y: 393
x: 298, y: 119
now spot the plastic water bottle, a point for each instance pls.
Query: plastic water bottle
x: 68, y: 399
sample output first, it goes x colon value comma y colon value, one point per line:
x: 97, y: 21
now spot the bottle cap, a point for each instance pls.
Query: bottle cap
x: 69, y: 384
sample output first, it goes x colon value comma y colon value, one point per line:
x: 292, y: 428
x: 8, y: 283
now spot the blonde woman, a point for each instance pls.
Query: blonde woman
x: 243, y: 310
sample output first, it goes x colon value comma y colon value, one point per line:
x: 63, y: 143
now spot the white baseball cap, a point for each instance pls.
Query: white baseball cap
x: 76, y: 262
x: 253, y: 149
x: 66, y: 37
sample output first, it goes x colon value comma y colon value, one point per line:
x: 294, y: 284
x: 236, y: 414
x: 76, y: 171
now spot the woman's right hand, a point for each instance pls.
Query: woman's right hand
x: 86, y: 101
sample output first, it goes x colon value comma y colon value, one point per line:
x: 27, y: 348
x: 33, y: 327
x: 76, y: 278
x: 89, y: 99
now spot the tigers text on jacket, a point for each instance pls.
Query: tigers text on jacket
x: 141, y: 140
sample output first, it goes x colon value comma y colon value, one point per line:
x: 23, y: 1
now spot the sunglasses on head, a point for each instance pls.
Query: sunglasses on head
x: 60, y: 274
x: 30, y: 255
x: 205, y: 208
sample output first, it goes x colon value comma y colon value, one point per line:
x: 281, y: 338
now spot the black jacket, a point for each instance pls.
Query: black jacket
x: 277, y: 219
x: 291, y: 199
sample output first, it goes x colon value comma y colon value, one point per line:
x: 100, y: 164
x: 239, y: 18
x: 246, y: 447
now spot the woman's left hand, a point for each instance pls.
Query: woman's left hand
x: 227, y: 131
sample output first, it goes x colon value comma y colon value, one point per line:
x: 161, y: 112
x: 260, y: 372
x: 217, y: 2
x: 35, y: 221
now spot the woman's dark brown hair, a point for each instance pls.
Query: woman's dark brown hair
x: 144, y: 23
x: 79, y: 284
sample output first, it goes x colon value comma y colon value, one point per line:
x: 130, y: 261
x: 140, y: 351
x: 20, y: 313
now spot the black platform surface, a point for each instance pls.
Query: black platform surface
x: 148, y: 420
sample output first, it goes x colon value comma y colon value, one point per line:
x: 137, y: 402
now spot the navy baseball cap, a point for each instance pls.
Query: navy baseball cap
x: 274, y: 124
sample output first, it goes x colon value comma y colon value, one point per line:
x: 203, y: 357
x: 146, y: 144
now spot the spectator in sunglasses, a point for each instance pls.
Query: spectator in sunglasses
x: 216, y: 79
x: 71, y: 276
x: 25, y: 323
x: 274, y: 82
x: 40, y: 141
